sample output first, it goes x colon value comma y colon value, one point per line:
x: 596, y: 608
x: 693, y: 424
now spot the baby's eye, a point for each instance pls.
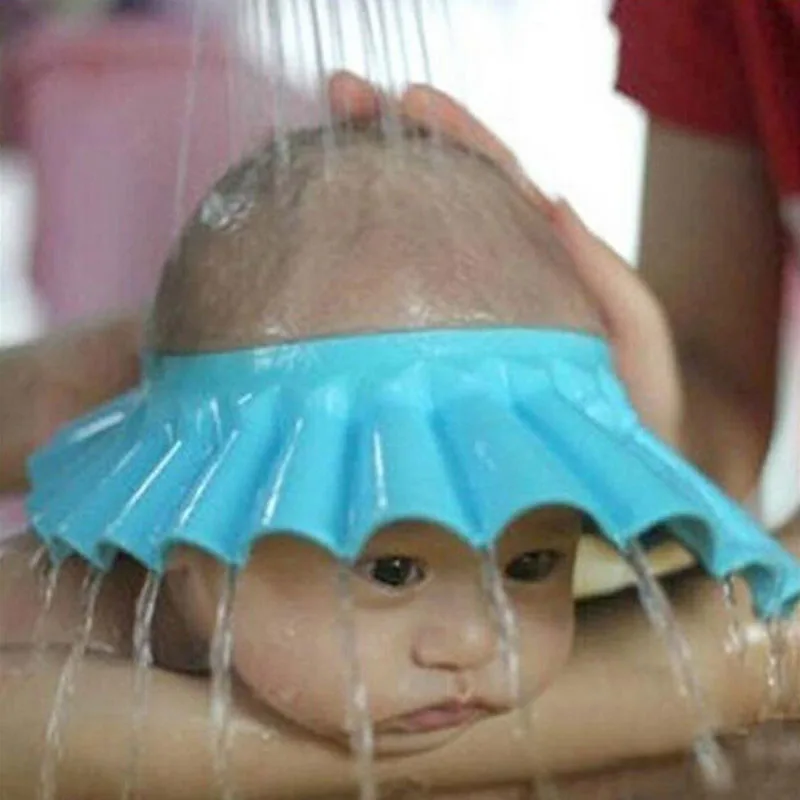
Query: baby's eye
x: 532, y: 567
x: 396, y: 572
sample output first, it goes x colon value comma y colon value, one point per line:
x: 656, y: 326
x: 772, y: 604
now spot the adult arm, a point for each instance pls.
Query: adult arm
x: 615, y: 702
x: 712, y: 252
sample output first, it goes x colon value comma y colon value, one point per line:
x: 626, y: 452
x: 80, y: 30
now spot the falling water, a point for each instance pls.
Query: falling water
x: 198, y: 22
x: 39, y: 641
x: 377, y: 60
x: 713, y: 764
x: 38, y: 559
x: 734, y: 638
x: 367, y: 38
x: 427, y: 67
x: 328, y: 141
x: 276, y: 45
x: 359, y: 723
x: 507, y: 625
x: 781, y: 669
x: 221, y: 656
x: 419, y: 21
x: 143, y: 661
x: 66, y: 688
x: 541, y: 788
x: 398, y: 24
x: 385, y: 44
x: 36, y: 564
x: 243, y: 109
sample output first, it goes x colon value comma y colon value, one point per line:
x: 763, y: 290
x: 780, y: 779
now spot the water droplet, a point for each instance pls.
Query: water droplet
x: 735, y: 640
x: 781, y: 669
x: 226, y: 212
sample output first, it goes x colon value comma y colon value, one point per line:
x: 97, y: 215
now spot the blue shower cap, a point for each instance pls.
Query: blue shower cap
x: 332, y: 439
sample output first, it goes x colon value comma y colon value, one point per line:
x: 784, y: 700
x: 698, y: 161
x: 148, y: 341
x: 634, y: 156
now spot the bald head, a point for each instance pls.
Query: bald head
x: 381, y: 232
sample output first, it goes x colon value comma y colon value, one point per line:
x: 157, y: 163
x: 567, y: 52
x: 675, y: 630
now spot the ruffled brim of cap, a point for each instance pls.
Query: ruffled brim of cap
x: 335, y: 439
x: 601, y: 570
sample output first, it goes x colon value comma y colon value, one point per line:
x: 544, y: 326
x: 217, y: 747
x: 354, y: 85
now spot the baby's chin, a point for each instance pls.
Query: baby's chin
x: 389, y: 743
x: 394, y: 736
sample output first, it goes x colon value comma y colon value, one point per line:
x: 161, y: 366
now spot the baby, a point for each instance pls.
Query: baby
x: 386, y: 231
x: 382, y: 234
x: 378, y: 231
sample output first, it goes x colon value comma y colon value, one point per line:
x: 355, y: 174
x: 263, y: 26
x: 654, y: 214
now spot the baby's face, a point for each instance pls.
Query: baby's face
x: 429, y: 637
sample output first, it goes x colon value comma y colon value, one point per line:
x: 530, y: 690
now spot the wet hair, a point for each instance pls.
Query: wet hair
x: 353, y: 229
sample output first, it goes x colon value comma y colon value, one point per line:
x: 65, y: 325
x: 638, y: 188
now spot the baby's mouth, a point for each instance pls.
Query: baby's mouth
x: 439, y: 717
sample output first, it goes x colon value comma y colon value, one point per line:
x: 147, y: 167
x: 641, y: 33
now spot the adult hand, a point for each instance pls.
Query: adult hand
x: 636, y: 326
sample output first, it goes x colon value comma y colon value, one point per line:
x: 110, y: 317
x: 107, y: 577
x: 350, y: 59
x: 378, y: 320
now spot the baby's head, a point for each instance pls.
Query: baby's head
x: 383, y: 233
x: 380, y: 233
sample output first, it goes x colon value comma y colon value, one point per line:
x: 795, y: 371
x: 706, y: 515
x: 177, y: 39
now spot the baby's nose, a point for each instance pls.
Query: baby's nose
x: 458, y: 637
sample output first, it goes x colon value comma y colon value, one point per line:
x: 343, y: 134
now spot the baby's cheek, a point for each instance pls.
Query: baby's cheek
x: 546, y: 639
x: 294, y: 673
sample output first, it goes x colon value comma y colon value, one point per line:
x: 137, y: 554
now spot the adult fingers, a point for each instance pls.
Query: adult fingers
x: 432, y: 108
x: 638, y: 328
x: 352, y: 97
x: 435, y: 110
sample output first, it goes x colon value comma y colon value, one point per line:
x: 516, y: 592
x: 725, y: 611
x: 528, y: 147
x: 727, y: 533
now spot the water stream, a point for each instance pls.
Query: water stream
x: 541, y: 787
x: 66, y: 689
x: 714, y: 766
x: 782, y: 667
x: 143, y: 662
x: 507, y: 629
x: 328, y: 140
x: 39, y: 642
x: 735, y: 642
x: 221, y: 656
x: 359, y: 722
x: 192, y: 80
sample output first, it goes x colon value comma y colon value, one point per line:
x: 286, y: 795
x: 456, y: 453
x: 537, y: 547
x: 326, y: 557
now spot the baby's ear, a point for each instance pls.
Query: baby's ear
x: 637, y: 325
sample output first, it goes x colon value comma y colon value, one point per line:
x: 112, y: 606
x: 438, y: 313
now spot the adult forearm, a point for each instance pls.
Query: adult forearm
x: 712, y: 251
x: 610, y: 706
x: 724, y: 431
x: 616, y: 703
x: 97, y: 730
x: 176, y: 756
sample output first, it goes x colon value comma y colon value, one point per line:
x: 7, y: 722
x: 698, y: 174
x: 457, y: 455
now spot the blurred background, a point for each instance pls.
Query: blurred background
x: 115, y: 116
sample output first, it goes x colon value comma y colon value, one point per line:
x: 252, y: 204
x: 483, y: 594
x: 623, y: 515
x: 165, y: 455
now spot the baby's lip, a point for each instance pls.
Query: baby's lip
x: 449, y: 714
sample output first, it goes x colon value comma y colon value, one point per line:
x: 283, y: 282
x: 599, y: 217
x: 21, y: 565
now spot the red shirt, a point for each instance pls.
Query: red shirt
x: 730, y: 68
